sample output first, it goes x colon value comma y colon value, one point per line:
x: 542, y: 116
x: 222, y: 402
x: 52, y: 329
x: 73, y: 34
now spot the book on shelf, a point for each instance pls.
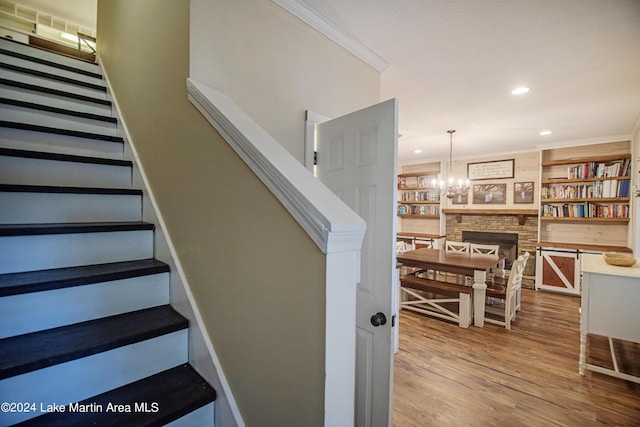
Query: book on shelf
x: 599, y: 169
x: 425, y: 195
x: 625, y: 186
x: 418, y: 210
x: 586, y: 210
x: 610, y: 188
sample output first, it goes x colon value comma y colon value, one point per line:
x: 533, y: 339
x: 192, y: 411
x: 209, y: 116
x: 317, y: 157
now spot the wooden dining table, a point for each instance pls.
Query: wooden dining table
x: 466, y: 264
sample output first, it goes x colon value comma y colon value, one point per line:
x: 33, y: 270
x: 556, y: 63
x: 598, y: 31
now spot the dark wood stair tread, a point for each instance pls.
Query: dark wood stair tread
x: 21, y: 188
x: 60, y: 131
x: 177, y: 392
x: 45, y: 155
x: 57, y: 278
x: 50, y: 76
x: 53, y: 64
x: 70, y: 228
x: 37, y: 350
x: 56, y: 92
x: 57, y: 110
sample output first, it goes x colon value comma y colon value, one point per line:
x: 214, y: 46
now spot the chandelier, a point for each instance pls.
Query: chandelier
x: 453, y: 188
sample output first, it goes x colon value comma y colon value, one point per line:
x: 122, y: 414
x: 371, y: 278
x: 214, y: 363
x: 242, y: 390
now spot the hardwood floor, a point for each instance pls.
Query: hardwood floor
x: 449, y: 376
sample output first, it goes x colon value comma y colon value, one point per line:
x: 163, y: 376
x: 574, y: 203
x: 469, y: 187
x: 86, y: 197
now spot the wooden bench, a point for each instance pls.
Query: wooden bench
x: 436, y: 293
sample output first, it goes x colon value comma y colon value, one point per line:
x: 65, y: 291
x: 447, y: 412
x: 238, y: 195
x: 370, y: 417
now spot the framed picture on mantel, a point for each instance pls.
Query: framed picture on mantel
x: 489, y: 194
x: 523, y: 192
x: 461, y: 199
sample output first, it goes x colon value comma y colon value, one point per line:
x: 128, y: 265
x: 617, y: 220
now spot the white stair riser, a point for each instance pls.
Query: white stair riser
x: 61, y: 72
x: 53, y: 84
x: 27, y: 253
x: 203, y: 416
x: 82, y: 378
x: 48, y: 56
x: 60, y: 121
x: 59, y: 307
x: 79, y: 379
x: 27, y: 171
x: 57, y: 101
x: 52, y: 143
x: 35, y: 208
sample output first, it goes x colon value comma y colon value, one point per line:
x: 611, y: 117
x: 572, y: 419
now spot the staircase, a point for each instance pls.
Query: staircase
x: 87, y: 333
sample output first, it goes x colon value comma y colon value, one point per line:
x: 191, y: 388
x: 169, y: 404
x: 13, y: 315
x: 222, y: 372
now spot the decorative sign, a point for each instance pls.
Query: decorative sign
x: 490, y: 170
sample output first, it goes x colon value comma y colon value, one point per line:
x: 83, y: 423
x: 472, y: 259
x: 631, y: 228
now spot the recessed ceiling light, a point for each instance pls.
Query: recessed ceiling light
x: 520, y: 90
x: 418, y: 151
x: 546, y: 132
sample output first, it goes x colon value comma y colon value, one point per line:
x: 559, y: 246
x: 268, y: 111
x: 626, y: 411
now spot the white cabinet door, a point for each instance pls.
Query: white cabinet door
x: 558, y: 270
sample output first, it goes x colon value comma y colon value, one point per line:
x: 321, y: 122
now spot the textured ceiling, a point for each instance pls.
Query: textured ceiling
x: 453, y: 64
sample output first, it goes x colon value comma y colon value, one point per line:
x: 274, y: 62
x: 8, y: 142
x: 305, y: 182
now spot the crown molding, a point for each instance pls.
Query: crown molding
x: 327, y: 28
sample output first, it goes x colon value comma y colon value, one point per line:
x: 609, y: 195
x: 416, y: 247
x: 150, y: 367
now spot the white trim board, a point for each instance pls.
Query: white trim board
x: 312, y: 119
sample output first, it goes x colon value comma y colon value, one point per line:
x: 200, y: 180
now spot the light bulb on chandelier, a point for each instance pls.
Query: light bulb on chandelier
x: 453, y: 188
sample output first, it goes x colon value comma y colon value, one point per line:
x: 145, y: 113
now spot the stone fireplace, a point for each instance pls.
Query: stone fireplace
x: 516, y: 231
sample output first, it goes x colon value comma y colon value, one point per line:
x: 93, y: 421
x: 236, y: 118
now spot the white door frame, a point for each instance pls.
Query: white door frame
x: 312, y: 119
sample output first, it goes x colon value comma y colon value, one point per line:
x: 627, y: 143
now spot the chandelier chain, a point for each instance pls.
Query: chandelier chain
x: 452, y: 189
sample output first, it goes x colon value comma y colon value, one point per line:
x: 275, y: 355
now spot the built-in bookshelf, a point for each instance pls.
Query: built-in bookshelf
x: 579, y: 191
x: 417, y: 197
x: 590, y: 189
x: 419, y: 205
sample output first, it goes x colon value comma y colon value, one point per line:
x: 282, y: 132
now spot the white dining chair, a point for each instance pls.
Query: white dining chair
x: 525, y: 257
x: 501, y: 298
x: 482, y: 249
x: 453, y: 246
x: 458, y: 247
x: 478, y: 248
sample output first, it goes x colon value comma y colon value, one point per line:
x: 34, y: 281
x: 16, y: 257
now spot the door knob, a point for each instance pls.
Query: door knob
x: 378, y: 319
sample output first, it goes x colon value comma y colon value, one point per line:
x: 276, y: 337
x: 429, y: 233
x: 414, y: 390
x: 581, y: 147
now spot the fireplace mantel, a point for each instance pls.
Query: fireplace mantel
x: 520, y: 213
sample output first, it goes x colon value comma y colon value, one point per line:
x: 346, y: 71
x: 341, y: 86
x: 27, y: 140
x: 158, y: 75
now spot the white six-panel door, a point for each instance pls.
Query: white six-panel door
x: 357, y: 160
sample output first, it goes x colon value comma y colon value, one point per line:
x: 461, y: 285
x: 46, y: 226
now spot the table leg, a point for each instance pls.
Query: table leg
x: 479, y: 294
x: 464, y: 315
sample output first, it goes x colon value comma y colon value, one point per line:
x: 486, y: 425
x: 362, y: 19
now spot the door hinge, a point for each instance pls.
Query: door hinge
x: 393, y: 320
x: 315, y: 158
